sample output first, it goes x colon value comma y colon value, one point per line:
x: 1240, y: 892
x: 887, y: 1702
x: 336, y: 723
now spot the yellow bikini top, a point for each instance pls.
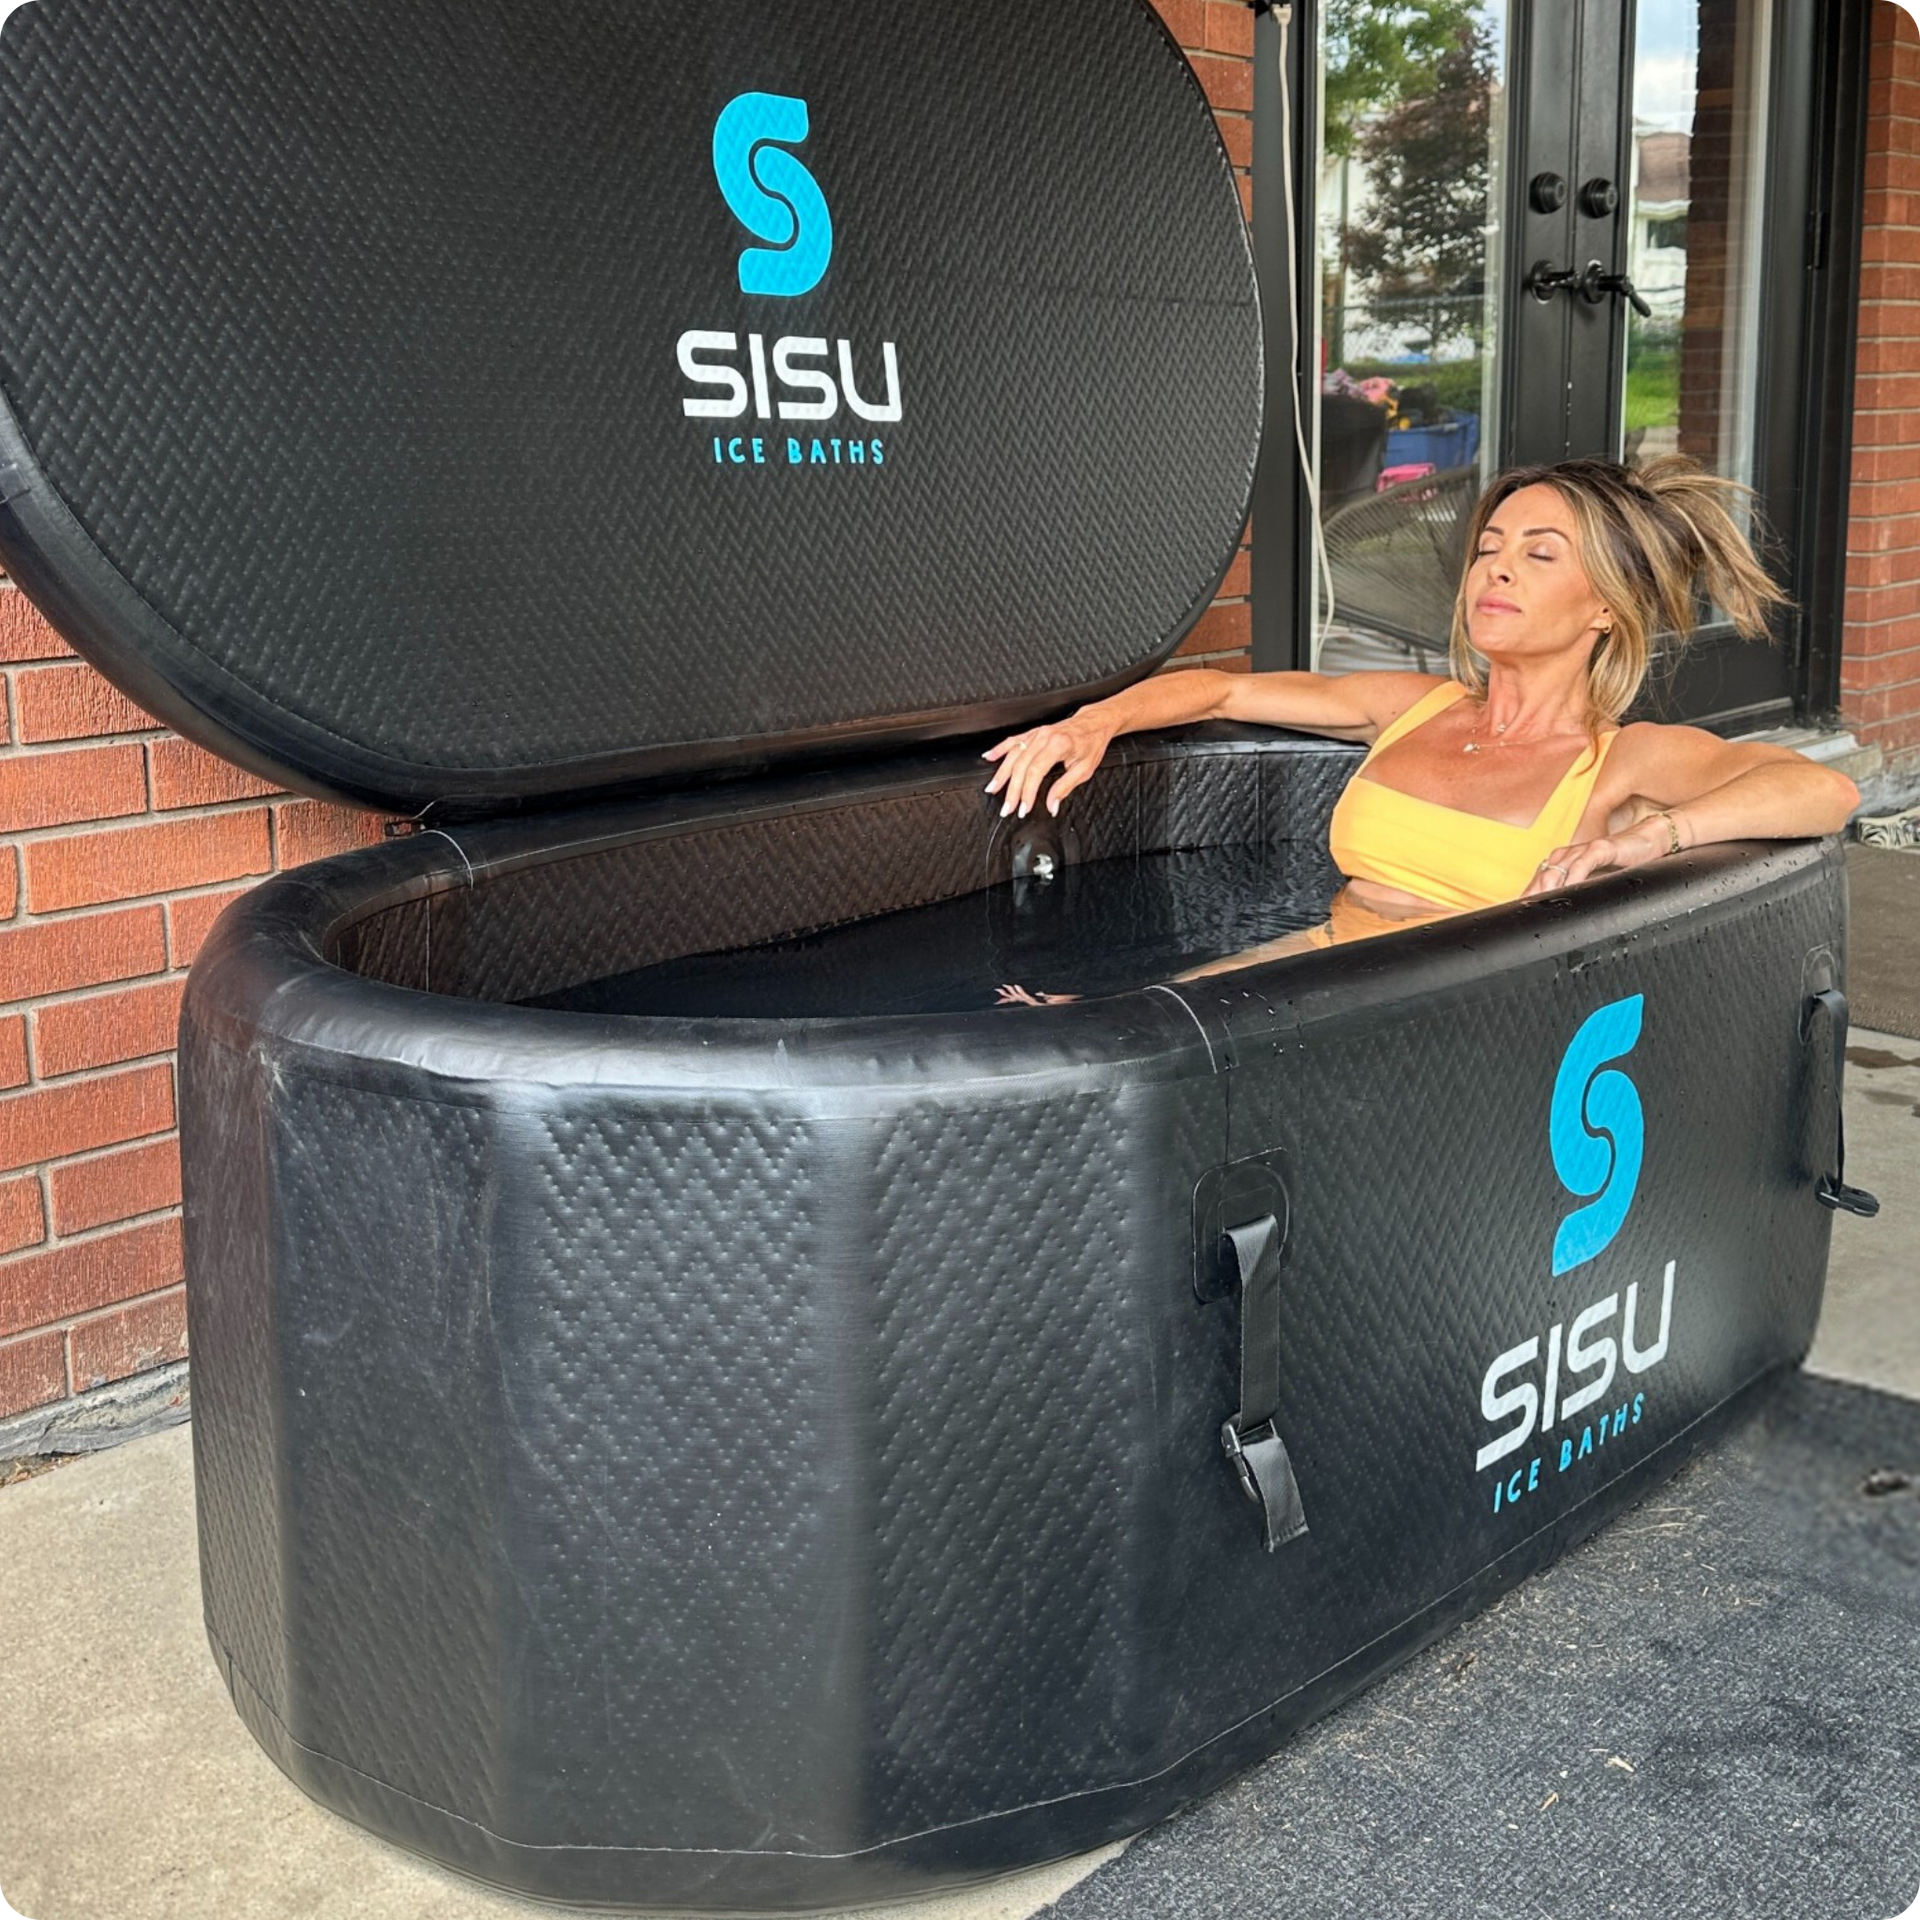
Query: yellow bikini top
x: 1455, y: 859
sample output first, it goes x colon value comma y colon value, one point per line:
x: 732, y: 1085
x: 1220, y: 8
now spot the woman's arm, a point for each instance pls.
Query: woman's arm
x: 1349, y: 706
x: 1711, y: 789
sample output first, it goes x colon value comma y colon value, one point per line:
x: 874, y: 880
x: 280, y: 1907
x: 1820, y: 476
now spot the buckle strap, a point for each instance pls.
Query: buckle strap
x: 1832, y: 1190
x: 1251, y: 1438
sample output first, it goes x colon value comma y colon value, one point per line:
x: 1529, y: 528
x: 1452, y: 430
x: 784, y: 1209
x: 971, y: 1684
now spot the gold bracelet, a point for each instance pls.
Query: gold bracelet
x: 1673, y: 832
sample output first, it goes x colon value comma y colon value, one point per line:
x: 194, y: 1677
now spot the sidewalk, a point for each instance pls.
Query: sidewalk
x: 130, y: 1791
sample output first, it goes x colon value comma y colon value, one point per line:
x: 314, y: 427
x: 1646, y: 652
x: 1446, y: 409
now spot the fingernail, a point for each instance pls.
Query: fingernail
x: 1006, y: 807
x: 1024, y: 805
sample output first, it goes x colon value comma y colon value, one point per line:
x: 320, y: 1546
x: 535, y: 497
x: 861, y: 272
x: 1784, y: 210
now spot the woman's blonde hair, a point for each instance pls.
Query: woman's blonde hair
x: 1646, y: 534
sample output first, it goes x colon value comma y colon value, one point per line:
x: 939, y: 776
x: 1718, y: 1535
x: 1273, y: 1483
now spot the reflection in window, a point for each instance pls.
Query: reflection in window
x: 1413, y: 112
x: 1694, y: 247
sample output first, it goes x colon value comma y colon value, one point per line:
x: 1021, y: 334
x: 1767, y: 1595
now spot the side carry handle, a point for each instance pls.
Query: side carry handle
x: 1251, y: 1439
x: 1832, y: 1189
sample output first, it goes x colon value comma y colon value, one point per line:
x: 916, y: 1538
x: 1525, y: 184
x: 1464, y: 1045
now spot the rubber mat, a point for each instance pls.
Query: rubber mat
x: 1883, y: 939
x: 1712, y: 1708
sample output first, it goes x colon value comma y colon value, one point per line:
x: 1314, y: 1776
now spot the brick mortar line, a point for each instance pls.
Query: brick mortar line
x: 18, y: 749
x: 51, y: 915
x: 64, y: 916
x: 66, y: 996
x: 1891, y: 686
x: 108, y: 1225
x: 74, y: 1075
x: 280, y: 795
x: 93, y: 1313
x: 44, y: 1170
x: 32, y: 1000
x: 28, y: 1333
x: 55, y: 1243
x: 23, y: 837
x: 120, y: 1306
x: 74, y: 1079
x: 100, y: 1153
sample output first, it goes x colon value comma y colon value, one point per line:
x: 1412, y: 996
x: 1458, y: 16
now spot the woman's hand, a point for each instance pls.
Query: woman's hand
x: 1633, y: 846
x: 1077, y: 743
x: 1012, y: 996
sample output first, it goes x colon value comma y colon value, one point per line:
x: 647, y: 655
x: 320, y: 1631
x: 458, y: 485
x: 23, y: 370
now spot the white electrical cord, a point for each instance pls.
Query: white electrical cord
x: 1320, y: 566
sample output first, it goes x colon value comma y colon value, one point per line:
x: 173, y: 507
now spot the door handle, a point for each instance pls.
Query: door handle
x: 1596, y: 284
x: 1544, y: 280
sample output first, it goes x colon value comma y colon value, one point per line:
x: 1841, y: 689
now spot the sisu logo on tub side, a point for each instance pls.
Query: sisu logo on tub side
x: 1597, y: 1135
x: 1597, y: 1130
x: 774, y: 195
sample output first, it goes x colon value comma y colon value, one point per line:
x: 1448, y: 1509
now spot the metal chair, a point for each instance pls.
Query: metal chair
x: 1396, y: 559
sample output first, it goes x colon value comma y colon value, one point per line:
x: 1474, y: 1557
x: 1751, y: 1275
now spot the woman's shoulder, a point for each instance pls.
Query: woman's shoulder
x: 1648, y: 743
x: 1671, y: 760
x: 1390, y: 695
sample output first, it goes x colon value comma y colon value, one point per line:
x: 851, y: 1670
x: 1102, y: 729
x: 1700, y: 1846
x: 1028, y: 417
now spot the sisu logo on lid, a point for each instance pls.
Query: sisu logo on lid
x: 771, y: 193
x: 774, y: 195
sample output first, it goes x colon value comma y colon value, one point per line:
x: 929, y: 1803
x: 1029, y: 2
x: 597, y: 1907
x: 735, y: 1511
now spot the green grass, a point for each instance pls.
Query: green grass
x: 1653, y: 387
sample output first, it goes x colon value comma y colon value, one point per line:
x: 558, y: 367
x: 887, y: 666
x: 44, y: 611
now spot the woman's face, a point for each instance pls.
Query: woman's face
x: 1527, y: 593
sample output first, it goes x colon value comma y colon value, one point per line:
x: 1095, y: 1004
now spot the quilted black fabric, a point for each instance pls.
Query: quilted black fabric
x: 347, y: 335
x: 759, y: 1466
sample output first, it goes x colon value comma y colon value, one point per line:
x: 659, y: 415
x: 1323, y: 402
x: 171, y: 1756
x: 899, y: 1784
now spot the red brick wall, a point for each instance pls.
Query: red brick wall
x: 1218, y: 39
x: 119, y: 845
x: 1880, y: 664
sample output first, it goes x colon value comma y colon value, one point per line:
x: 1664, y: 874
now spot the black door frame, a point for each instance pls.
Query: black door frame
x: 1808, y: 332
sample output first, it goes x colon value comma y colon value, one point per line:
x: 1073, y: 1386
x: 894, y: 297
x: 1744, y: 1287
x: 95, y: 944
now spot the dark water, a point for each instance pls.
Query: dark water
x: 1105, y: 927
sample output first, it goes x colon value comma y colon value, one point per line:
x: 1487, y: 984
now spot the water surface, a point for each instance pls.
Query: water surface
x: 1105, y: 927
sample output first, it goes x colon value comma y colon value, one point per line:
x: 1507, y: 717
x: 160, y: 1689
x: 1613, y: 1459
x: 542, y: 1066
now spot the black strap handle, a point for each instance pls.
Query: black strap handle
x: 1251, y: 1439
x: 1832, y: 1189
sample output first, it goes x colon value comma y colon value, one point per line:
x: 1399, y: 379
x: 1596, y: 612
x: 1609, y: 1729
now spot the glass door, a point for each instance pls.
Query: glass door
x: 1411, y: 180
x: 1541, y: 229
x: 1700, y: 83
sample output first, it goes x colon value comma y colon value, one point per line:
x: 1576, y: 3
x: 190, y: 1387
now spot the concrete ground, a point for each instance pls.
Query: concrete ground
x: 130, y: 1791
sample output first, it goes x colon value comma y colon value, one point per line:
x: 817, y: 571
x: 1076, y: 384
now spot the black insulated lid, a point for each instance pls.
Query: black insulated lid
x: 479, y: 403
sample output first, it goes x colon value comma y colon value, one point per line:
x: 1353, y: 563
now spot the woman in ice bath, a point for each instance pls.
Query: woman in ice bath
x: 1512, y: 775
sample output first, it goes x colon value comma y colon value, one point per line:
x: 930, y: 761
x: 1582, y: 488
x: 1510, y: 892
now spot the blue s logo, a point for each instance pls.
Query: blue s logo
x: 1597, y: 1130
x: 772, y: 194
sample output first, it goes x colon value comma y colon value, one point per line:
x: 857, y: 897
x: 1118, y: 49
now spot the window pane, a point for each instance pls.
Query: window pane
x: 1413, y: 111
x: 1699, y: 135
